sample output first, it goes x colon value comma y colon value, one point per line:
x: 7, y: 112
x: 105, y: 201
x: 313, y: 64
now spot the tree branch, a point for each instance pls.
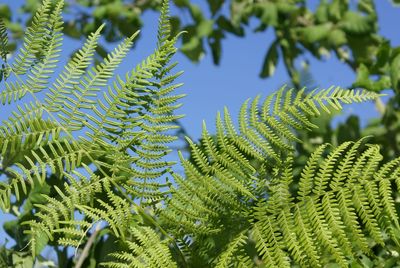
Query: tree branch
x: 85, y: 251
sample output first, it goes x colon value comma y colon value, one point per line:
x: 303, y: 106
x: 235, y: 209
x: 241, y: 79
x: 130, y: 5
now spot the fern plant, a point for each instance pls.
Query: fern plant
x: 87, y: 154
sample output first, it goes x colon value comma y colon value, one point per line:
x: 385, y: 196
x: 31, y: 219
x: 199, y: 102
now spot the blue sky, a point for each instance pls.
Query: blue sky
x: 209, y: 88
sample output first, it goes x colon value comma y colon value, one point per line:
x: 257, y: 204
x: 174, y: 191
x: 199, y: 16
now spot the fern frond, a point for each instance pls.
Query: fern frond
x: 225, y: 259
x: 147, y: 250
x: 49, y: 41
x: 25, y: 134
x: 34, y: 39
x: 326, y: 170
x: 269, y: 243
x: 286, y: 222
x: 3, y: 42
x: 344, y: 201
x: 263, y: 139
x: 72, y: 109
x: 366, y: 214
x: 306, y: 183
x: 306, y: 238
x: 5, y: 68
x: 69, y: 78
x: 350, y: 219
x: 58, y: 156
x: 58, y: 216
x: 127, y: 135
x: 164, y: 27
x: 313, y: 211
x: 331, y: 211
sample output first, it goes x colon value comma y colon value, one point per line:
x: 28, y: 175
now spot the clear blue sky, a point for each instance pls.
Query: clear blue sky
x: 209, y: 88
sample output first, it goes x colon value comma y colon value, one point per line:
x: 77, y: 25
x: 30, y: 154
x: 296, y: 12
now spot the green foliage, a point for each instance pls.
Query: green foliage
x: 85, y: 164
x: 339, y: 28
x: 148, y: 251
x: 126, y: 131
x: 334, y: 26
x: 235, y: 189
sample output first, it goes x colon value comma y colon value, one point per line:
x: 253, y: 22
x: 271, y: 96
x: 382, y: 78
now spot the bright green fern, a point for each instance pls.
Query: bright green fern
x: 85, y: 149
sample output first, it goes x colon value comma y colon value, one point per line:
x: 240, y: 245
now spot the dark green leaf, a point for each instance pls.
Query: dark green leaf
x: 175, y: 25
x: 382, y: 57
x: 350, y: 130
x: 192, y: 45
x: 395, y: 73
x: 71, y: 30
x: 270, y: 60
x: 5, y: 12
x: 363, y: 80
x: 226, y: 25
x: 214, y: 42
x: 284, y: 7
x: 215, y: 5
x: 182, y: 3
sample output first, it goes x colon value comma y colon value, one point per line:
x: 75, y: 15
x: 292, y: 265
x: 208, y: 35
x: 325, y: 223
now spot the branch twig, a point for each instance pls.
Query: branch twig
x: 85, y: 251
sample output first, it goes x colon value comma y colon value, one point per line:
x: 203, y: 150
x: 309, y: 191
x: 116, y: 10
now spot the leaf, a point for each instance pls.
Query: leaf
x: 363, y: 80
x: 205, y: 28
x: 36, y: 194
x: 215, y: 5
x: 350, y: 130
x: 214, y: 41
x: 196, y: 13
x: 269, y: 13
x: 226, y: 25
x: 21, y: 260
x: 181, y: 3
x: 71, y: 30
x: 192, y: 46
x: 175, y: 25
x: 337, y: 38
x: 336, y: 9
x: 270, y: 60
x: 99, y: 12
x: 5, y: 12
x: 239, y: 12
x: 315, y: 33
x: 362, y: 76
x: 382, y: 56
x: 363, y: 48
x: 355, y: 23
x: 321, y: 14
x: 395, y: 72
x: 286, y: 7
x: 367, y: 6
x: 12, y: 228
